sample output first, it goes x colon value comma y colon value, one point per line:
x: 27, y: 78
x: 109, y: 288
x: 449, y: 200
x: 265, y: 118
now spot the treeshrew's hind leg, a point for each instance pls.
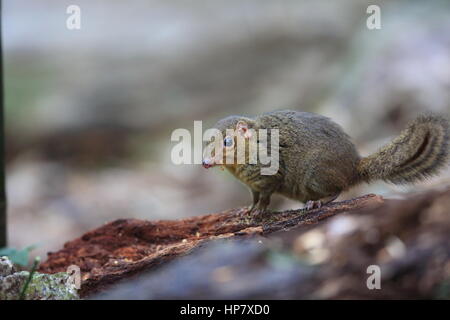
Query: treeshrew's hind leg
x: 310, y: 204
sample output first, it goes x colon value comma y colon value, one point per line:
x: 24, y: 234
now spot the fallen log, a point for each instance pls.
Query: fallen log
x: 124, y: 248
x: 396, y: 250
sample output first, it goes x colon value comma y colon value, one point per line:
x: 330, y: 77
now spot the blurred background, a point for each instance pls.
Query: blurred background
x: 90, y: 112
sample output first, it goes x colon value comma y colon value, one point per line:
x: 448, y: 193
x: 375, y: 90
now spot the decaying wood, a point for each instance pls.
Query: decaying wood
x: 398, y: 250
x: 128, y: 247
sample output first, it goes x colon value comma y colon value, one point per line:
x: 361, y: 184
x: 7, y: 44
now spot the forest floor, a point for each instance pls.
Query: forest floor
x: 364, y: 248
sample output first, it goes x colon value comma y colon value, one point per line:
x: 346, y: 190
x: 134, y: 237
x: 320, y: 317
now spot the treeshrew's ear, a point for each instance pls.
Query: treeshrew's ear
x: 243, y: 130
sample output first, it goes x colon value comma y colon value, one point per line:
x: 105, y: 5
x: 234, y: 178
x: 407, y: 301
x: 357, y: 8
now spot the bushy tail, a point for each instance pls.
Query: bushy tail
x: 417, y: 153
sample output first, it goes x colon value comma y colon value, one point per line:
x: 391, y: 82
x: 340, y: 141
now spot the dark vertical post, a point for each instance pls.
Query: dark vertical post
x: 3, y: 232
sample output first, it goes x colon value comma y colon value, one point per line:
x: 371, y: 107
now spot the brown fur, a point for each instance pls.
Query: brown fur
x: 317, y: 160
x: 417, y: 153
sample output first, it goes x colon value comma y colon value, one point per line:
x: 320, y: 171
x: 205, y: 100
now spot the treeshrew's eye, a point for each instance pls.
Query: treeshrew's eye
x: 228, y: 142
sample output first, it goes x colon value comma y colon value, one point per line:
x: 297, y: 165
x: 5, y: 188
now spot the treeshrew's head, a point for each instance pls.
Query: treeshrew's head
x: 228, y: 135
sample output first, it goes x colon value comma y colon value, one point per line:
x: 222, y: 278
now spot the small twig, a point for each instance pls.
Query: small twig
x: 27, y: 283
x: 301, y: 216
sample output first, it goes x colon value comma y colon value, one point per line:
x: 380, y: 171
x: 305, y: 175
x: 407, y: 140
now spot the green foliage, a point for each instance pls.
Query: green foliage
x: 27, y: 283
x: 32, y: 285
x: 19, y: 257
